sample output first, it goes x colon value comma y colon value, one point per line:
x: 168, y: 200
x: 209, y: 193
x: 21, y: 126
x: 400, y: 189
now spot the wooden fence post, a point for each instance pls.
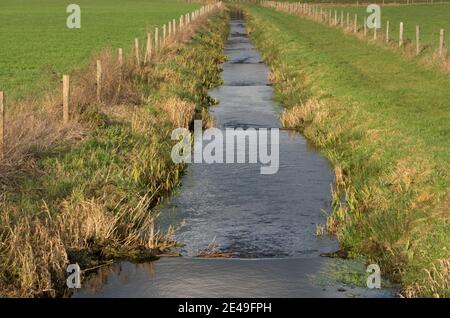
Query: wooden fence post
x: 148, y: 48
x: 2, y: 125
x: 156, y: 39
x: 99, y: 81
x: 417, y: 40
x: 120, y: 57
x: 441, y: 42
x: 136, y: 52
x: 400, y: 37
x: 387, y: 32
x: 164, y: 34
x: 355, y: 25
x: 66, y: 98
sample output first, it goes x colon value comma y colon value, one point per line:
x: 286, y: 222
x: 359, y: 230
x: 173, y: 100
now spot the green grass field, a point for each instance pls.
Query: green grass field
x: 37, y: 47
x: 430, y: 18
x: 383, y: 119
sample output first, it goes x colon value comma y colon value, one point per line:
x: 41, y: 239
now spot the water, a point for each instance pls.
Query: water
x: 194, y: 277
x: 267, y: 222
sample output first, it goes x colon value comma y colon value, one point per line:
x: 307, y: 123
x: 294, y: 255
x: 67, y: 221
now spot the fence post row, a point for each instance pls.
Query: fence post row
x: 66, y: 78
x: 326, y: 16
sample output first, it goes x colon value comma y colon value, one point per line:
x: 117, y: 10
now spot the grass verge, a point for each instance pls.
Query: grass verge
x: 85, y: 192
x: 383, y: 123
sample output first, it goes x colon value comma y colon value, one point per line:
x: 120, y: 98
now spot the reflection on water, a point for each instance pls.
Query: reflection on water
x: 193, y: 277
x: 268, y: 221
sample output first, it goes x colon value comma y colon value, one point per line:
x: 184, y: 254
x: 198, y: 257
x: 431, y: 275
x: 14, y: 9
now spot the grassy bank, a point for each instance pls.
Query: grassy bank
x: 383, y: 122
x: 85, y: 194
x: 37, y: 46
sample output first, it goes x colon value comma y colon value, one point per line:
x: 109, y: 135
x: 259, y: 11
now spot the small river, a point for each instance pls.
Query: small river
x: 266, y: 222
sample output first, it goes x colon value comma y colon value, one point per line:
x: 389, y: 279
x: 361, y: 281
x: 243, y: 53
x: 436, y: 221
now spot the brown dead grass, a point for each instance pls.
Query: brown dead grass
x: 408, y: 172
x: 38, y: 248
x: 180, y: 112
x: 297, y: 116
x: 436, y: 282
x: 33, y: 126
x: 34, y: 253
